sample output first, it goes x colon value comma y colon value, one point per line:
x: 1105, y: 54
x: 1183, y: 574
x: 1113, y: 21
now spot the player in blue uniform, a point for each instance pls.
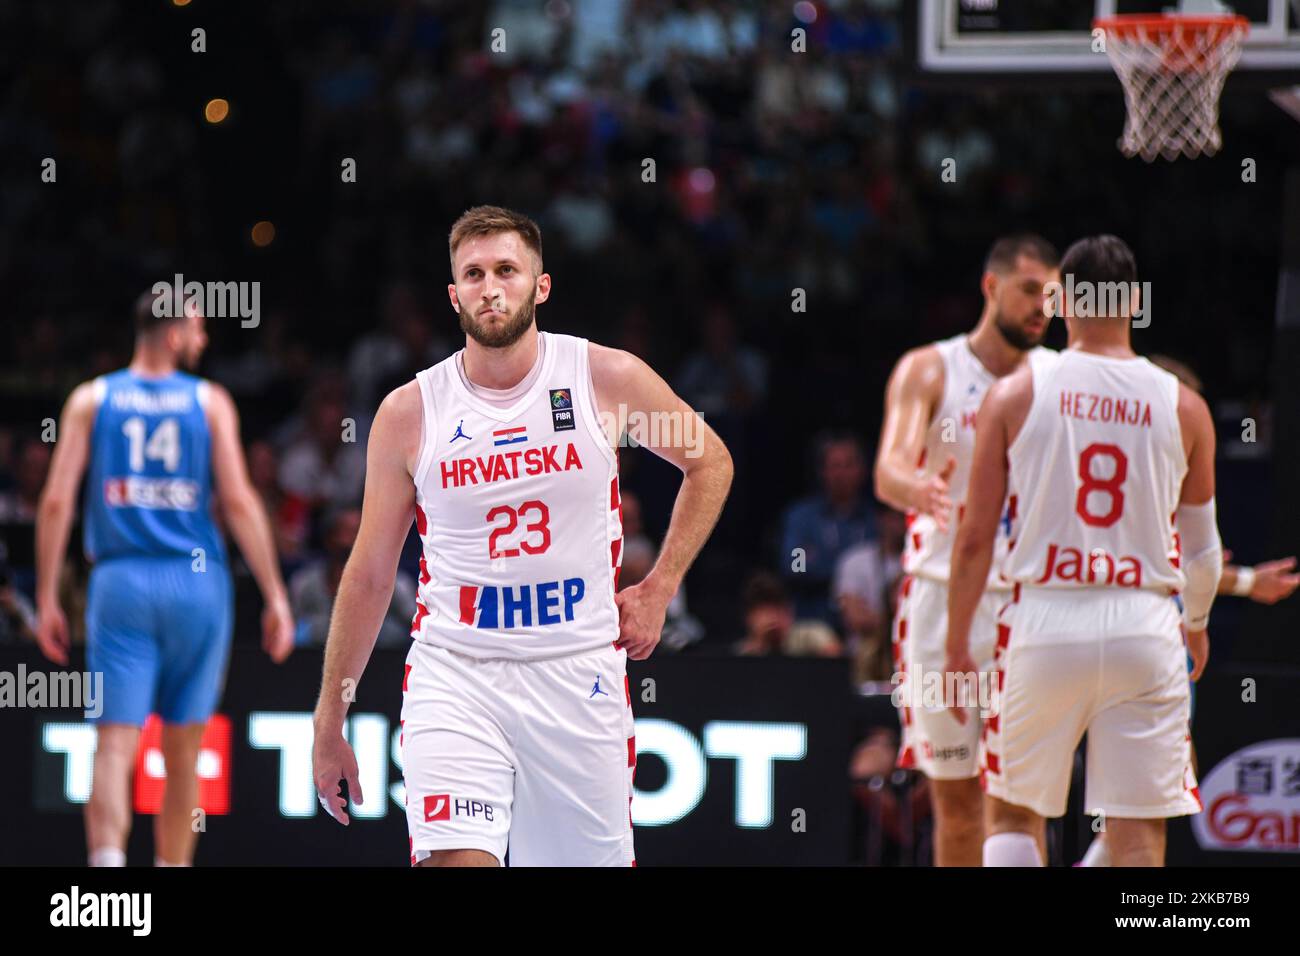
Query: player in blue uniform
x: 158, y: 448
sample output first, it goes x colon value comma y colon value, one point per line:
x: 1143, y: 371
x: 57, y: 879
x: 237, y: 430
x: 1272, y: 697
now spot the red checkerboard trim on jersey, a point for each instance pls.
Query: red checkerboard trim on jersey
x: 906, y: 755
x: 989, y: 759
x: 616, y: 504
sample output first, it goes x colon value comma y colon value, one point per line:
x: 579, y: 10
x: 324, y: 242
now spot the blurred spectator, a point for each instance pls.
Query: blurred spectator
x: 18, y: 506
x: 817, y: 530
x: 18, y: 513
x: 312, y: 589
x: 722, y: 376
x: 321, y: 467
x: 17, y: 614
x: 771, y: 628
x: 290, y: 516
x: 404, y: 340
x: 860, y: 591
x: 680, y: 630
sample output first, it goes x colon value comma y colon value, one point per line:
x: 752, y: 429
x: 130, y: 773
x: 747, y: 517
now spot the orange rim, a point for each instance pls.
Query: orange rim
x: 1128, y: 24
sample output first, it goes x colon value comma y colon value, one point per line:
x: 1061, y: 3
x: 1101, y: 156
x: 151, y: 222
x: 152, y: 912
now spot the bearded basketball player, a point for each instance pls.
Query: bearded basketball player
x: 1112, y: 462
x: 159, y: 450
x: 517, y: 722
x: 926, y: 444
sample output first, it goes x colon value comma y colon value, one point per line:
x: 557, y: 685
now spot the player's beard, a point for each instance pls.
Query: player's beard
x: 504, y: 335
x: 1016, y: 336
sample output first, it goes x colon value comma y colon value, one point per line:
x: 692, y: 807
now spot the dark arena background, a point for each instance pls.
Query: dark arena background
x: 769, y: 202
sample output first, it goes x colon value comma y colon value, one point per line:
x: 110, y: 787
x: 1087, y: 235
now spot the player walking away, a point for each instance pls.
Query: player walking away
x: 1265, y: 583
x: 156, y: 443
x: 926, y: 443
x: 501, y: 455
x: 1112, y: 461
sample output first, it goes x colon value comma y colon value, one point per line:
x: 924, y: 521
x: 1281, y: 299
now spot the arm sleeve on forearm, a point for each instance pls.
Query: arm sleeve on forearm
x: 1202, y: 561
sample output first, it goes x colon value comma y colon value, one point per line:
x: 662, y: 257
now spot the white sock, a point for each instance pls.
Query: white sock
x: 108, y: 856
x: 1097, y: 855
x: 159, y: 861
x: 1011, y: 849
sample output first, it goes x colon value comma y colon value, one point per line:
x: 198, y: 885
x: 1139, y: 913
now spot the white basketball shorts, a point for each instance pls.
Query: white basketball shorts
x: 1104, y: 662
x: 537, y: 756
x: 933, y: 741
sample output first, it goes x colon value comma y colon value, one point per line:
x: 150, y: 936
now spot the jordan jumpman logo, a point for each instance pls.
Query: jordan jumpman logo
x: 459, y: 433
x: 595, y: 689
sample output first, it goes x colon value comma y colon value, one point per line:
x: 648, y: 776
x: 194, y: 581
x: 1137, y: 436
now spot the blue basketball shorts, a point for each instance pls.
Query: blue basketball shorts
x: 159, y: 632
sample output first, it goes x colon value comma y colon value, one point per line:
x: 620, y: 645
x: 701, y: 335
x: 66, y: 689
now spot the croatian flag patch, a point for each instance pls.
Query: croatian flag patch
x: 510, y: 436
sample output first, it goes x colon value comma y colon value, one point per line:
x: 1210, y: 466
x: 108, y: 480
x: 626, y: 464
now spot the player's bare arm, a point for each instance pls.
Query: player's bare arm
x: 54, y: 518
x: 246, y: 518
x: 1265, y: 583
x: 914, y: 391
x: 1000, y: 418
x: 1202, y: 558
x: 366, y: 588
x: 620, y: 378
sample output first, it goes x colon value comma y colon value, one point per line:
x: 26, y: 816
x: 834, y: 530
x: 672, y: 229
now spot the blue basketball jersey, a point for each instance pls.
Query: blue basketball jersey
x: 148, y: 489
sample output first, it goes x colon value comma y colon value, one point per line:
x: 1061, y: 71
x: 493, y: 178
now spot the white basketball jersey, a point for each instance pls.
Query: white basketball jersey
x: 1098, y: 467
x: 966, y: 381
x: 519, y: 515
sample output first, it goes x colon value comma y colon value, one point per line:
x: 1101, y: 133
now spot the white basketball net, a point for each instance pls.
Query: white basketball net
x: 1173, y: 74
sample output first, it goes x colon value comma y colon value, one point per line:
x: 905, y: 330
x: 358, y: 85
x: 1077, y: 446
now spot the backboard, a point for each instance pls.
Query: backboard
x: 1055, y: 36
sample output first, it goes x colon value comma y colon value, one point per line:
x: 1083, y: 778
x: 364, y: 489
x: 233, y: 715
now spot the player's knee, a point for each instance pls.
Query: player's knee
x: 180, y: 746
x: 1006, y: 817
x: 458, y: 858
x: 957, y: 802
x: 1135, y: 838
x: 116, y: 743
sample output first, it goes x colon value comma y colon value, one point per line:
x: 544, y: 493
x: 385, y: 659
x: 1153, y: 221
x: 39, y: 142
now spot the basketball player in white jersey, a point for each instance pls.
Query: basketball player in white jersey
x: 927, y: 440
x: 517, y: 723
x: 1112, y: 462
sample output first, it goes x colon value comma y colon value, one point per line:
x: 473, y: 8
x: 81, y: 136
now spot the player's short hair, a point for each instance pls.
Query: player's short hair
x: 1098, y: 260
x: 1004, y: 253
x: 763, y: 589
x: 489, y: 221
x: 146, y: 318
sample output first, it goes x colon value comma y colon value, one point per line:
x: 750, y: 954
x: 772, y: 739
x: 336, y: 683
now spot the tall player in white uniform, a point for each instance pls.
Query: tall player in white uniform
x: 1112, y: 461
x: 927, y: 440
x: 517, y: 723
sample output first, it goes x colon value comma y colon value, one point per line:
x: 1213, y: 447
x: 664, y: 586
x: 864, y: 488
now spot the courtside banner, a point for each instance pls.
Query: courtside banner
x: 740, y: 761
x: 1247, y: 738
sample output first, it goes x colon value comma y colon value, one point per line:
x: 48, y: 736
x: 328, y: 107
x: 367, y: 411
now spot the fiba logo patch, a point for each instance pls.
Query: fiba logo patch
x: 562, y: 409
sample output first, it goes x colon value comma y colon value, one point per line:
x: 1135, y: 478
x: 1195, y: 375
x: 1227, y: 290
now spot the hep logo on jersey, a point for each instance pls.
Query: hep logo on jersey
x: 442, y: 806
x: 548, y: 602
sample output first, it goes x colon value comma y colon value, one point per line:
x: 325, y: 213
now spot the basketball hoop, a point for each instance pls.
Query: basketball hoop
x: 1173, y: 68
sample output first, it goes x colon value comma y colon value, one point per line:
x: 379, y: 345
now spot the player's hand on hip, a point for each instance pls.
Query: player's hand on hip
x: 934, y: 500
x: 959, y: 662
x: 52, y: 633
x: 1198, y: 645
x: 332, y: 760
x: 277, y: 630
x: 1274, y: 580
x: 641, y: 612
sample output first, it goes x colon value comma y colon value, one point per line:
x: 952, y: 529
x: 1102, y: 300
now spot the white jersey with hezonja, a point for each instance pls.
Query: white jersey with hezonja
x: 928, y: 551
x: 1098, y: 467
x: 518, y: 513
